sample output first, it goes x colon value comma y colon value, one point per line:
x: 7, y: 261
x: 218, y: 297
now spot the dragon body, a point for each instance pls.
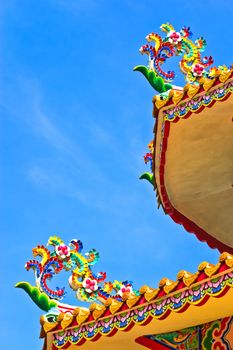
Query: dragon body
x: 191, y: 64
x: 158, y: 57
x: 87, y: 285
x: 176, y: 43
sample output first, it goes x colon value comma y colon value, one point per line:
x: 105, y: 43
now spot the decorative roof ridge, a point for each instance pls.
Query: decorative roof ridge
x: 167, y: 289
x: 175, y: 96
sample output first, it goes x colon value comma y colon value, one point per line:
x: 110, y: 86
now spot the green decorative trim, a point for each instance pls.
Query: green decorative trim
x: 156, y: 82
x: 40, y: 299
x: 149, y: 177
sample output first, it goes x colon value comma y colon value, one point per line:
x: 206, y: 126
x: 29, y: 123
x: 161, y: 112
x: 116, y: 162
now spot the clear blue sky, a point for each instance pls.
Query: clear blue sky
x: 75, y: 122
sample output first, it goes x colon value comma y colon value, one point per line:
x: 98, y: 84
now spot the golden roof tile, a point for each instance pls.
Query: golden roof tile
x: 115, y: 306
x: 98, y: 311
x: 187, y: 278
x: 227, y: 258
x: 82, y: 316
x: 192, y: 90
x: 67, y: 320
x: 132, y: 300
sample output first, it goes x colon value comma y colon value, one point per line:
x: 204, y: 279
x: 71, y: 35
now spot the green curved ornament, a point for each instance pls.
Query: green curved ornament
x: 156, y: 82
x: 40, y: 299
x: 149, y: 177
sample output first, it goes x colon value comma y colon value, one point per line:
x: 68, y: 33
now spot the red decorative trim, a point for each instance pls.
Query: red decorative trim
x: 176, y: 216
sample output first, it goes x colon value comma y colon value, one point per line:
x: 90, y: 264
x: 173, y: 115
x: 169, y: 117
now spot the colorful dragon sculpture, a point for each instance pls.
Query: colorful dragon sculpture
x: 176, y: 44
x: 192, y: 65
x: 87, y: 285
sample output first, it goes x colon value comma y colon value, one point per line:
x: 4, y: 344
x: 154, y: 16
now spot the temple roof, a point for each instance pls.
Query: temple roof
x: 192, y: 158
x: 162, y: 303
x: 191, y: 155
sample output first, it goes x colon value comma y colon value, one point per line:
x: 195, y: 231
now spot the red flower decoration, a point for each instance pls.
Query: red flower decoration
x: 198, y: 69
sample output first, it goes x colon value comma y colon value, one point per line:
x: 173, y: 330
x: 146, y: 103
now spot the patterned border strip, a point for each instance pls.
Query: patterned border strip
x: 196, y: 104
x: 158, y: 309
x: 177, y: 95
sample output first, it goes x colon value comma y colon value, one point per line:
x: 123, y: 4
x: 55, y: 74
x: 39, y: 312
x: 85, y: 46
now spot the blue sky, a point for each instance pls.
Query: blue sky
x: 75, y: 123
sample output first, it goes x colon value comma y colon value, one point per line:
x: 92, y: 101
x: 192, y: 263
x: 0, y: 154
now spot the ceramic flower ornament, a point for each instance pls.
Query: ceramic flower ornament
x: 174, y: 37
x: 90, y: 285
x: 63, y: 251
x: 198, y: 70
x: 125, y: 289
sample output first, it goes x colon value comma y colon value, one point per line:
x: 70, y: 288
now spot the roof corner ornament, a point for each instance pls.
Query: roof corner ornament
x: 88, y: 286
x: 176, y: 43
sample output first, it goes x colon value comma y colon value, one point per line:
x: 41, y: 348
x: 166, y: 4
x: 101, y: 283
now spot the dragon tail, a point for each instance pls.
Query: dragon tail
x: 40, y: 299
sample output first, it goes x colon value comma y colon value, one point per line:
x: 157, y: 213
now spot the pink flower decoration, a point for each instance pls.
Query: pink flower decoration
x: 63, y: 251
x: 198, y: 70
x: 90, y: 285
x: 174, y: 37
x: 125, y: 289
